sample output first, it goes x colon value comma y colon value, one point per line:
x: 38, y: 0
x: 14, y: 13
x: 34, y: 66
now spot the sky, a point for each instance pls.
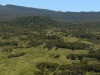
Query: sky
x: 58, y: 5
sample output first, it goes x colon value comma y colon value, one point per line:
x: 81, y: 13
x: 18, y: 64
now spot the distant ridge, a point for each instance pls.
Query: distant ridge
x: 10, y: 11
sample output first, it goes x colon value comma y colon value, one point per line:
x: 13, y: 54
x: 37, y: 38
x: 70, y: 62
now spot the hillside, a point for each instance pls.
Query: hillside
x: 9, y: 11
x: 39, y: 45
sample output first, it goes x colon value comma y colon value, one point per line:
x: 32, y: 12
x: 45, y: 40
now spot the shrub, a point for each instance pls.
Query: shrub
x: 35, y: 42
x: 64, y: 72
x: 76, y: 56
x: 56, y: 55
x: 9, y: 43
x: 94, y: 54
x: 71, y: 56
x: 73, y: 46
x: 16, y: 55
x: 39, y: 72
x: 47, y: 65
x: 7, y: 50
x: 65, y: 67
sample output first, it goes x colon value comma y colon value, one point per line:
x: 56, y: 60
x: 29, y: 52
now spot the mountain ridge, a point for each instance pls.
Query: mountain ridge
x: 9, y: 11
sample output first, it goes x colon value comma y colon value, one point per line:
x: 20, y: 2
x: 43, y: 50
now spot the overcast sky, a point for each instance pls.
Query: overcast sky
x: 63, y: 5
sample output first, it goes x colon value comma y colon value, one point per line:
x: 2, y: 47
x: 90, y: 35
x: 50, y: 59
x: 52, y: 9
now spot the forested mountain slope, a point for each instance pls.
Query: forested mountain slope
x: 9, y: 11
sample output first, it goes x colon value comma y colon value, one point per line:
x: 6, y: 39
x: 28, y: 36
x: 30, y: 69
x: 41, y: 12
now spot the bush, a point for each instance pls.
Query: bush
x: 16, y: 55
x: 9, y: 43
x: 71, y: 56
x: 64, y: 72
x: 53, y: 42
x: 7, y: 50
x: 47, y: 65
x: 73, y: 46
x: 76, y: 56
x: 65, y: 67
x: 56, y: 55
x: 94, y: 54
x: 35, y: 42
x: 39, y: 72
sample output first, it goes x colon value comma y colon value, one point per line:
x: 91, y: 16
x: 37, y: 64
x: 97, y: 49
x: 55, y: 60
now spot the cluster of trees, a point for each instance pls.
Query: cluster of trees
x: 56, y: 69
x: 67, y: 45
x: 73, y: 46
x: 92, y: 54
x: 90, y: 36
x: 16, y: 55
x: 8, y: 43
x: 76, y: 56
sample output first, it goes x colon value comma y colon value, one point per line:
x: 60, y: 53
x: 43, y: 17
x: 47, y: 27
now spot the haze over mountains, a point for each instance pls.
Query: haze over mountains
x: 9, y: 11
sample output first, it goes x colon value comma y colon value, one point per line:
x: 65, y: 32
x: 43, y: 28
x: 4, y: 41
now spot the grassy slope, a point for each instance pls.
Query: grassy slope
x: 26, y: 64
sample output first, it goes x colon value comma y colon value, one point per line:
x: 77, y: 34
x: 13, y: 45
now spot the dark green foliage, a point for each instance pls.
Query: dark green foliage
x: 35, y: 42
x: 47, y: 65
x: 53, y: 37
x: 46, y: 68
x: 6, y: 37
x: 40, y: 72
x: 63, y: 72
x: 76, y: 69
x: 56, y: 55
x: 65, y: 67
x: 89, y: 36
x: 73, y: 46
x: 50, y: 44
x: 94, y: 54
x: 71, y: 56
x: 81, y: 68
x: 7, y: 50
x: 34, y: 21
x: 95, y: 68
x: 60, y: 43
x: 53, y: 40
x: 76, y: 56
x: 9, y: 43
x: 16, y: 55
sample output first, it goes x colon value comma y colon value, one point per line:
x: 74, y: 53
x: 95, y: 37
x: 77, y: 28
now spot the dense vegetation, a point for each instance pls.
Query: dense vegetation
x: 39, y: 45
